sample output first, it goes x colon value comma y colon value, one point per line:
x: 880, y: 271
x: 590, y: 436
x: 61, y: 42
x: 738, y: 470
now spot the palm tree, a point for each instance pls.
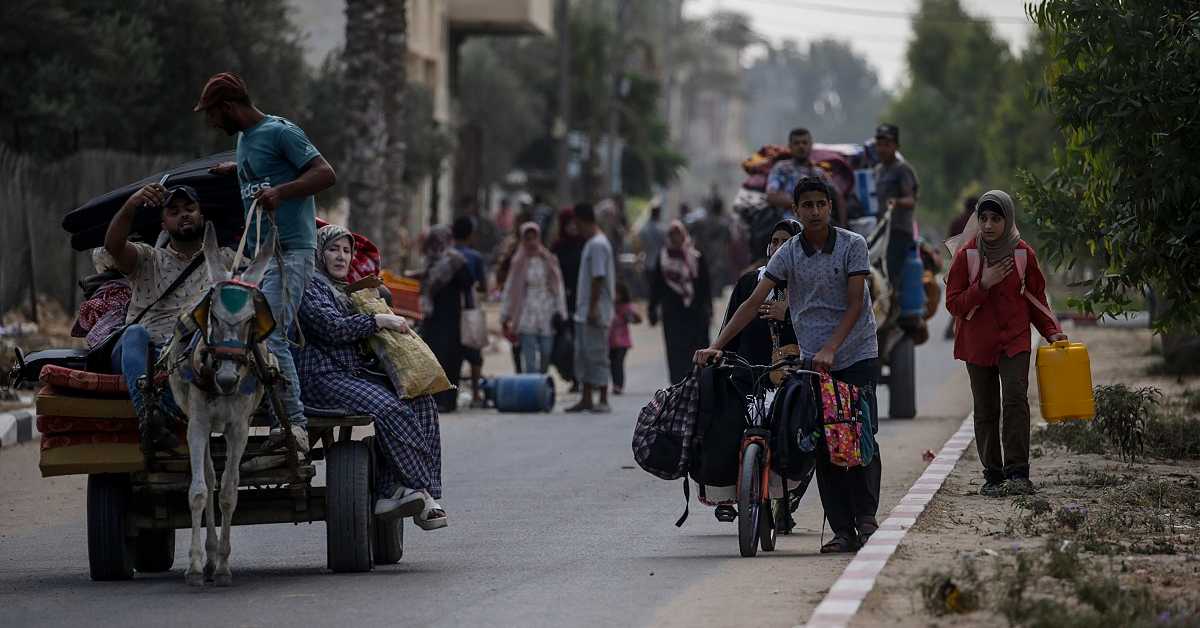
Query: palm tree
x: 366, y: 123
x: 394, y: 198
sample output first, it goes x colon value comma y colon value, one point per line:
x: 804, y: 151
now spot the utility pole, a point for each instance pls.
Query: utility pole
x: 668, y: 62
x: 618, y: 84
x: 562, y: 123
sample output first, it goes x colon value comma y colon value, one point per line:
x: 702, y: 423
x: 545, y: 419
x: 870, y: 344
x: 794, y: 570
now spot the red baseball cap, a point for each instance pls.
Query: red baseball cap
x: 222, y: 87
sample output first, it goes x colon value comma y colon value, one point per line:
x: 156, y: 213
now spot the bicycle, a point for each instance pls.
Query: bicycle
x: 754, y: 460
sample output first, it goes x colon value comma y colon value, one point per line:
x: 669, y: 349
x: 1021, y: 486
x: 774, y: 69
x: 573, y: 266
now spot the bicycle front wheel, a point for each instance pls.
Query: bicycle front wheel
x: 769, y: 522
x: 750, y: 492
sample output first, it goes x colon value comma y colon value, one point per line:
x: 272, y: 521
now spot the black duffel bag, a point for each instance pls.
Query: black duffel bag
x: 722, y: 420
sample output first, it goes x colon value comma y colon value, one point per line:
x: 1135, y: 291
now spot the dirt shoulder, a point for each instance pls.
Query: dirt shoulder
x: 1103, y: 542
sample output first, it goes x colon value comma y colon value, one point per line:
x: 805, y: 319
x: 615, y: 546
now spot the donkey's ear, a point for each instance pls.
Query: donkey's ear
x: 212, y: 255
x: 262, y: 259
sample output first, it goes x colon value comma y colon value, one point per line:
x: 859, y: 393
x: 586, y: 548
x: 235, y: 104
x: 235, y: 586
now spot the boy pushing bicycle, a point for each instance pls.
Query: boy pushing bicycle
x: 825, y: 269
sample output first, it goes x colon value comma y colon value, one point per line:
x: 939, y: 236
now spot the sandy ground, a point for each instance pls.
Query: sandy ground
x: 960, y: 525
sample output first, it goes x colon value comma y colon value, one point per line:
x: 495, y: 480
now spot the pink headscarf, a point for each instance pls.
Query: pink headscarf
x: 515, y: 288
x: 680, y: 266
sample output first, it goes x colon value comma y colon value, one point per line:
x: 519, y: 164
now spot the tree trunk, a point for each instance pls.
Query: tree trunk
x: 366, y: 126
x: 562, y: 127
x: 612, y: 184
x: 395, y: 194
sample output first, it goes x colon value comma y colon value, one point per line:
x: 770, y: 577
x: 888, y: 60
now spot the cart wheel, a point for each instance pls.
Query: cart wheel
x: 387, y: 537
x: 110, y: 550
x: 750, y: 499
x: 348, y: 507
x: 768, y: 526
x: 154, y: 551
x: 388, y: 542
x: 902, y: 380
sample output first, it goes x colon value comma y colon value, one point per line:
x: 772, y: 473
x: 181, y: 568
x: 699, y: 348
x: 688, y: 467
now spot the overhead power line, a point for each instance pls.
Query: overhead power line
x: 882, y: 13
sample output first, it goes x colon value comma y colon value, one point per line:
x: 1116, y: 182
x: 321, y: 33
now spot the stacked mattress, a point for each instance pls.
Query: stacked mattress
x: 87, y: 422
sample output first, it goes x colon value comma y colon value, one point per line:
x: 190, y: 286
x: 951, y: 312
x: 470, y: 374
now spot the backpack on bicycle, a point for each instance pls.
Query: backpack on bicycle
x: 722, y: 420
x: 665, y: 433
x: 797, y: 427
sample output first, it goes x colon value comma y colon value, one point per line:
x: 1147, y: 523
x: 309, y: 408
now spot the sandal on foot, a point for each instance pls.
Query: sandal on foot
x: 432, y: 518
x: 579, y: 407
x: 405, y: 502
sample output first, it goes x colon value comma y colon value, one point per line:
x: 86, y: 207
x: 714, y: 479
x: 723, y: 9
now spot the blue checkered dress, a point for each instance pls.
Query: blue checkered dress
x: 407, y: 431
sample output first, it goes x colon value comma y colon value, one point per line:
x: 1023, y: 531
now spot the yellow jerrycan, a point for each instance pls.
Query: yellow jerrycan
x: 1064, y: 375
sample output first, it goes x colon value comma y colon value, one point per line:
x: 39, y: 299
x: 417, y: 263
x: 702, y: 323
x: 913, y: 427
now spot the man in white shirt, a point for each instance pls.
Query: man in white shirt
x: 593, y: 312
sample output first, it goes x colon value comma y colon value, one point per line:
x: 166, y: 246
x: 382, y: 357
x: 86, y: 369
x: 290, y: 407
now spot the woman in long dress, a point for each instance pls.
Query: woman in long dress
x: 444, y: 286
x: 681, y: 297
x: 335, y: 373
x: 534, y: 296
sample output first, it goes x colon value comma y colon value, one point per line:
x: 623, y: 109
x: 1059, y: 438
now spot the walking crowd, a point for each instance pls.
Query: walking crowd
x: 567, y: 301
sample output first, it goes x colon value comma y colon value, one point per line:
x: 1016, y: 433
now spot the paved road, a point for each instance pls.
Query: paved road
x: 551, y: 525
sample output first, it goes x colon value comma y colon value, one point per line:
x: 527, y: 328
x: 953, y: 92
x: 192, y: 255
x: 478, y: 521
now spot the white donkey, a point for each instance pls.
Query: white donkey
x: 218, y: 387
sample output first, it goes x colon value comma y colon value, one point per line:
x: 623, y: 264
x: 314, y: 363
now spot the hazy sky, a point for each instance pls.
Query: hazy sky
x: 877, y: 29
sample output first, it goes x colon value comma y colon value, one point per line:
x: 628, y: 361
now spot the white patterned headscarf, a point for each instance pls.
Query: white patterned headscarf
x: 325, y: 235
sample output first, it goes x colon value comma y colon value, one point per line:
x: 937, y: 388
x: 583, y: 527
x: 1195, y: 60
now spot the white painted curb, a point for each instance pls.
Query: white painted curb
x: 851, y: 588
x: 16, y: 426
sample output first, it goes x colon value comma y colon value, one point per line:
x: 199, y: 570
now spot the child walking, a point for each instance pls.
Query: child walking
x: 995, y: 290
x: 619, y: 340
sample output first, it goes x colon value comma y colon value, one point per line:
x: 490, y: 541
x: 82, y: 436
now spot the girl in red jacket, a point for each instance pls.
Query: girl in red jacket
x: 995, y: 290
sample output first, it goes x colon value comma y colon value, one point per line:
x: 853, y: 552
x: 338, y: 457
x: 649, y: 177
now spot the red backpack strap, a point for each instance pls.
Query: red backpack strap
x: 1021, y: 259
x: 973, y: 266
x: 974, y: 269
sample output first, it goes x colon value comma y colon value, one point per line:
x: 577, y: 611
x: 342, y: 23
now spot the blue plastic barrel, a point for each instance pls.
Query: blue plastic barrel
x: 524, y: 393
x: 912, y: 290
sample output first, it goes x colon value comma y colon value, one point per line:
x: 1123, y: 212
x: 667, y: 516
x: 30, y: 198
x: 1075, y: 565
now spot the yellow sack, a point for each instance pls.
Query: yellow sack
x: 409, y: 362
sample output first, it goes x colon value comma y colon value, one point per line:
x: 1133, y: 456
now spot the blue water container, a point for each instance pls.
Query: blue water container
x: 864, y: 187
x: 523, y: 393
x: 912, y: 291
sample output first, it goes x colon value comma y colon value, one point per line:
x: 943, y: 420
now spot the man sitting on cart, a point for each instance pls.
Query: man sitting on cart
x: 164, y: 282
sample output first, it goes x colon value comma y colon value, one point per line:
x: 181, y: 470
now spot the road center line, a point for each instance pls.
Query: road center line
x: 846, y: 595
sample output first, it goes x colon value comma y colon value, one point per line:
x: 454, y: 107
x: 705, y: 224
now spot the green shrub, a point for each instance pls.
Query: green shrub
x: 1122, y: 414
x: 1173, y: 437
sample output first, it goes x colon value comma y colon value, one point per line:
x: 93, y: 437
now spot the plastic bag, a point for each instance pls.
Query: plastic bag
x: 409, y: 362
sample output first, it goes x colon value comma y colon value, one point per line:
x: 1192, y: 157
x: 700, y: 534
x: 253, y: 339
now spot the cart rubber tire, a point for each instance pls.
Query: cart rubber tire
x: 110, y: 550
x: 348, y: 507
x: 154, y: 551
x: 387, y: 538
x: 388, y: 546
x: 902, y: 380
x: 749, y: 500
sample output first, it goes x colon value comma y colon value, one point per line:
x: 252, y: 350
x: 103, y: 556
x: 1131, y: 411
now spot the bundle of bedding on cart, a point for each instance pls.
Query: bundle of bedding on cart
x: 87, y: 422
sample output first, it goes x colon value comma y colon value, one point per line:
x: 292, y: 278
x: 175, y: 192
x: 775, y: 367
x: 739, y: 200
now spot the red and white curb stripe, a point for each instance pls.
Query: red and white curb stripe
x: 847, y: 594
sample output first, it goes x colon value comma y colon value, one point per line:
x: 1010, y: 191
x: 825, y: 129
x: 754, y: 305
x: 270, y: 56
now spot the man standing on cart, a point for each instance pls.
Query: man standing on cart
x: 824, y: 270
x: 896, y: 188
x: 279, y: 167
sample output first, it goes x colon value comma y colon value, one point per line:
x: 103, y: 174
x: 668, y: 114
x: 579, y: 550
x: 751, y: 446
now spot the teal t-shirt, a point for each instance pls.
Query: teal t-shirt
x: 273, y: 152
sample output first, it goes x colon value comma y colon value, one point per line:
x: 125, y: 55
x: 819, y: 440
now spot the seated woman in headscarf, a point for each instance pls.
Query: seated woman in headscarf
x: 445, y: 285
x: 680, y: 295
x: 534, y: 296
x: 335, y: 372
